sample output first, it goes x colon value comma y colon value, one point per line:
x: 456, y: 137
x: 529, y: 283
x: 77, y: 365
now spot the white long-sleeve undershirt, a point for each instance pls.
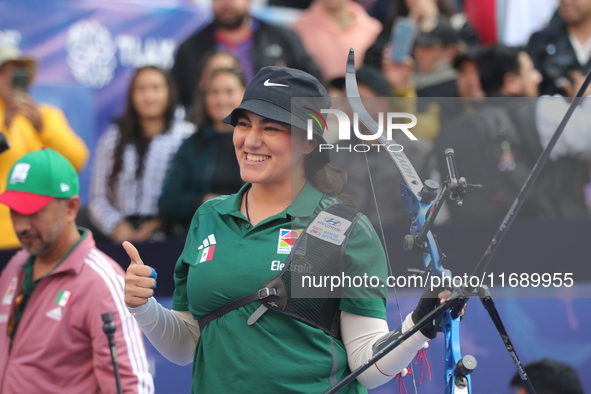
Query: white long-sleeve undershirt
x: 175, y: 334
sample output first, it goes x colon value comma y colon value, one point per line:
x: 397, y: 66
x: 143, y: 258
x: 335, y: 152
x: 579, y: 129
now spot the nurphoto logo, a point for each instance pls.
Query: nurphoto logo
x: 387, y: 122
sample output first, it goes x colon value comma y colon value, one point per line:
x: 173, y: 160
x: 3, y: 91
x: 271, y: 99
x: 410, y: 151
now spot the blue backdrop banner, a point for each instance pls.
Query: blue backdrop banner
x: 87, y: 50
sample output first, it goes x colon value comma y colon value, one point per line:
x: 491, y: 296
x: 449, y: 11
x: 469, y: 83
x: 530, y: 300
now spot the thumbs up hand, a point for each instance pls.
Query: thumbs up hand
x: 140, y: 279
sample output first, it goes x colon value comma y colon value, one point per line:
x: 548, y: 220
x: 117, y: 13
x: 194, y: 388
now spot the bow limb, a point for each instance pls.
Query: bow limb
x: 411, y: 178
x: 410, y: 175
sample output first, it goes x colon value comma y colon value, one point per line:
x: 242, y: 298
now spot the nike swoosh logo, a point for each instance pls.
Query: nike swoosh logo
x: 267, y: 83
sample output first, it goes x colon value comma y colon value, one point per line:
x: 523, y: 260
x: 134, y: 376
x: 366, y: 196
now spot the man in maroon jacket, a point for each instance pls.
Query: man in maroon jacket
x: 55, y: 290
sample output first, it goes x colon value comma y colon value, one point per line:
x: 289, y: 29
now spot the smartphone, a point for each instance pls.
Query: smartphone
x: 402, y: 39
x: 4, y: 145
x: 20, y: 80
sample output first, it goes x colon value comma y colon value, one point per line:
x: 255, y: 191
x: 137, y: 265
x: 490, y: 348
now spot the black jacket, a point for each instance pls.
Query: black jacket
x: 558, y: 191
x: 273, y: 45
x: 554, y: 56
x: 481, y: 139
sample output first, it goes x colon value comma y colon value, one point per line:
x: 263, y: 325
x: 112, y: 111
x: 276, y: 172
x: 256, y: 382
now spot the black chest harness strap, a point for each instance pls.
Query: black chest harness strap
x: 318, y: 252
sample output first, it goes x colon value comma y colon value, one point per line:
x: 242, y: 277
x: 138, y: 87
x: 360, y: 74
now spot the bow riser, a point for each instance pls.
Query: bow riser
x: 423, y: 204
x: 431, y: 256
x: 419, y: 213
x: 453, y: 354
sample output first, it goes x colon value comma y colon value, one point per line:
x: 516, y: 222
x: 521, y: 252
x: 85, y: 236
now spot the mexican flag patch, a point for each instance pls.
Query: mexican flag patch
x: 207, y: 249
x: 63, y: 298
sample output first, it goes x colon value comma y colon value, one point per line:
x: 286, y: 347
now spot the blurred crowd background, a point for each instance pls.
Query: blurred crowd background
x: 133, y: 93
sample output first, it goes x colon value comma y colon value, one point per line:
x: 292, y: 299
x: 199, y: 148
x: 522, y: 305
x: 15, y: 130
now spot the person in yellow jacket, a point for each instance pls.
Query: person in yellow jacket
x: 28, y: 126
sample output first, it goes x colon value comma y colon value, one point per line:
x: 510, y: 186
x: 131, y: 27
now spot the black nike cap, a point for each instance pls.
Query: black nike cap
x: 270, y: 95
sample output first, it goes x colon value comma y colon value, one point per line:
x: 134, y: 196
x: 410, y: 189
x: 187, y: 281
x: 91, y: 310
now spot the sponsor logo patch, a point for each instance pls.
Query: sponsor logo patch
x: 329, y: 228
x: 287, y: 238
x: 55, y: 313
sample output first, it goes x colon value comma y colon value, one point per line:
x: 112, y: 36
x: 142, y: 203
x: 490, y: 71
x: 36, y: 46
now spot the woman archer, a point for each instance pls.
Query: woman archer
x: 234, y: 251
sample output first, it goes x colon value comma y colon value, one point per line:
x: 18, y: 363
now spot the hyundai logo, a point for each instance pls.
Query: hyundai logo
x: 333, y: 221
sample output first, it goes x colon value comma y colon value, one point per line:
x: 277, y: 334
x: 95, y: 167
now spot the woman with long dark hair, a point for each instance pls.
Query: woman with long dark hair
x: 234, y: 314
x: 132, y: 158
x: 205, y: 165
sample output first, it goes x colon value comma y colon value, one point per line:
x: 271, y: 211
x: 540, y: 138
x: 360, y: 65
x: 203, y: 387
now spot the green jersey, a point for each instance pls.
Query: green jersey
x: 225, y: 258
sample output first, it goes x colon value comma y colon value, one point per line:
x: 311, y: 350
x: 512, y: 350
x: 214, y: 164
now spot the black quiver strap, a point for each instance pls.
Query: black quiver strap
x: 310, y: 256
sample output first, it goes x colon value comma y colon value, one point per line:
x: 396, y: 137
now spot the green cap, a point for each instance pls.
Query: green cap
x: 36, y: 179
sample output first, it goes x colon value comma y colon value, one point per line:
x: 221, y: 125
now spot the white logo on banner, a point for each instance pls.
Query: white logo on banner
x: 91, y: 53
x: 152, y: 51
x: 10, y: 37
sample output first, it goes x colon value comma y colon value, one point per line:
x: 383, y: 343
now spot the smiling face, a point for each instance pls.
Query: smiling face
x: 268, y: 152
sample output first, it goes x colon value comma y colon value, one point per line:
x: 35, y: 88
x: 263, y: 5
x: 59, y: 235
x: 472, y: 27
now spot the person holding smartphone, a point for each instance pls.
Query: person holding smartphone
x: 27, y: 126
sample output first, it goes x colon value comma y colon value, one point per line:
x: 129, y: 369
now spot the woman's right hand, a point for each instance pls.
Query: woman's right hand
x: 138, y: 282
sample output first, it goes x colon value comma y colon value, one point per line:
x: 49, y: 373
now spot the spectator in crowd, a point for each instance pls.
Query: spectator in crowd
x: 377, y: 173
x: 508, y: 72
x: 329, y: 28
x: 430, y: 74
x: 255, y: 43
x: 205, y: 165
x: 399, y: 77
x: 421, y: 11
x: 468, y: 79
x: 563, y: 47
x: 133, y: 156
x: 515, y: 127
x: 436, y: 112
x: 469, y: 89
x: 433, y: 53
x: 425, y: 13
x: 28, y: 126
x: 214, y: 60
x: 56, y: 289
x: 549, y: 377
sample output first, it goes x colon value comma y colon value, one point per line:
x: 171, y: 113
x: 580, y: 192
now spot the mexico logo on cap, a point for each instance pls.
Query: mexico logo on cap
x: 20, y: 172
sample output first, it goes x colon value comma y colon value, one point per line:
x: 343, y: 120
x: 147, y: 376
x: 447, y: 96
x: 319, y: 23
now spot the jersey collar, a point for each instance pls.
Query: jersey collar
x: 303, y: 206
